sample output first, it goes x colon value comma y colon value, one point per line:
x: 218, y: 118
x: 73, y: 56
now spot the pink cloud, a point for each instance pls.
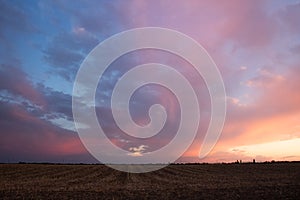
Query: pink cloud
x: 273, y: 116
x: 15, y: 80
x: 34, y: 136
x: 209, y: 22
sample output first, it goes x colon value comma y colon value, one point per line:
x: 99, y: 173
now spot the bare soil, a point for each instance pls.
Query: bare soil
x: 204, y: 181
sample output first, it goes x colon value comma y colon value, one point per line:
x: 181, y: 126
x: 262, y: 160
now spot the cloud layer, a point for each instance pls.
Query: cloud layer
x: 255, y: 44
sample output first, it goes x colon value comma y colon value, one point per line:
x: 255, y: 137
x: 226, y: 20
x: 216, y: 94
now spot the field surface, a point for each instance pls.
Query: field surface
x: 209, y: 181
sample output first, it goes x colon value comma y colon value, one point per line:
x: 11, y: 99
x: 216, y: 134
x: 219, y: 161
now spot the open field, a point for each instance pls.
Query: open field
x: 213, y: 181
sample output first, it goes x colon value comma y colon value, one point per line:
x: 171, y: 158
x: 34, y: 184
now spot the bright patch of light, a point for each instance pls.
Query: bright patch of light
x: 276, y: 149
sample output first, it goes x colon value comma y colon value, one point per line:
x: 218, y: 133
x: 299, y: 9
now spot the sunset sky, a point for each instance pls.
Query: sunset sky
x: 254, y: 43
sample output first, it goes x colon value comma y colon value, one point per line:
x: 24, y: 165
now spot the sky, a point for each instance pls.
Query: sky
x: 255, y: 44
